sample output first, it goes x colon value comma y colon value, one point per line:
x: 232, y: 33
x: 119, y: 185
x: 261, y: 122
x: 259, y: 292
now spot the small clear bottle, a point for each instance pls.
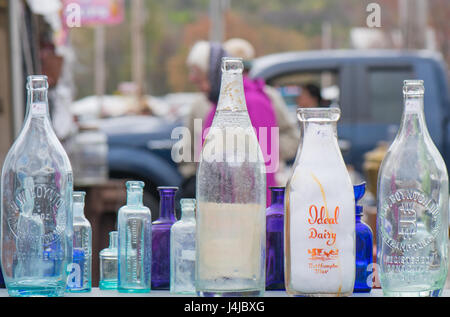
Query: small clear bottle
x: 108, y: 264
x: 161, y: 238
x: 134, y: 225
x: 80, y: 277
x: 412, y: 207
x: 364, y: 246
x: 275, y: 240
x: 182, y: 250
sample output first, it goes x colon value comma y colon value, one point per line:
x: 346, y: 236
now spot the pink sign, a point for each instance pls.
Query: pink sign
x: 92, y: 12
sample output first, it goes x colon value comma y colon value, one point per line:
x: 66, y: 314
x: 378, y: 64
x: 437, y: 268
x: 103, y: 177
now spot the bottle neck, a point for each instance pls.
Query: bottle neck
x: 187, y: 214
x: 277, y: 196
x: 37, y: 104
x: 413, y: 120
x: 232, y: 96
x: 113, y: 239
x: 78, y: 210
x: 167, y: 205
x: 134, y: 197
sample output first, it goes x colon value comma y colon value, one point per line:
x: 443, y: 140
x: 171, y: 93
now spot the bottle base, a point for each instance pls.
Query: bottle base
x: 108, y: 285
x: 299, y: 294
x: 424, y: 293
x: 37, y: 288
x: 133, y: 290
x: 239, y: 293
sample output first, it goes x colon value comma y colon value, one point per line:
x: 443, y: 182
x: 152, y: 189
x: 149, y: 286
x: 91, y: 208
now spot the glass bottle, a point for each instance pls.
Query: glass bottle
x: 182, y: 250
x: 275, y: 240
x: 79, y: 279
x: 320, y: 212
x: 412, y: 201
x: 231, y: 198
x: 364, y: 246
x: 161, y: 238
x: 108, y: 264
x: 36, y: 204
x: 134, y: 226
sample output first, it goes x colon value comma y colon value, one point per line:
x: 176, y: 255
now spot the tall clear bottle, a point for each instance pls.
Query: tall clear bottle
x: 412, y: 201
x: 108, y: 264
x: 134, y: 225
x: 81, y: 274
x: 319, y: 212
x: 231, y: 198
x: 182, y: 250
x: 36, y: 204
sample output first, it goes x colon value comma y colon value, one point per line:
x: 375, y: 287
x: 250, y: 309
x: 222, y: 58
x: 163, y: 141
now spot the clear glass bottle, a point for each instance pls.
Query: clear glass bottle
x: 231, y: 198
x: 134, y: 225
x: 80, y: 277
x: 108, y: 264
x: 364, y: 246
x: 161, y: 238
x: 412, y: 201
x: 320, y: 212
x: 182, y: 250
x: 275, y: 240
x: 36, y: 204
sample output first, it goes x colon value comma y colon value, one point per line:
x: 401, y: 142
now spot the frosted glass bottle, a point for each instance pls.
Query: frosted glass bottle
x: 36, y: 204
x: 80, y: 276
x: 108, y: 264
x: 182, y: 250
x: 319, y: 212
x: 231, y: 198
x: 412, y: 201
x: 134, y: 225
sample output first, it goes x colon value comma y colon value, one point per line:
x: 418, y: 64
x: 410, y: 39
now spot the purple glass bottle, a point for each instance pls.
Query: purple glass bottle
x: 275, y: 240
x: 161, y: 238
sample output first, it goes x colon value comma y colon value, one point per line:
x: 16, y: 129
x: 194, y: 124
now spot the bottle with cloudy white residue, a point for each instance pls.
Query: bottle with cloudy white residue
x: 319, y: 212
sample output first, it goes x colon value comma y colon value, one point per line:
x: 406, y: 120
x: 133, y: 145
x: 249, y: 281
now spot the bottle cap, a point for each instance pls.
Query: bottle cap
x: 359, y: 191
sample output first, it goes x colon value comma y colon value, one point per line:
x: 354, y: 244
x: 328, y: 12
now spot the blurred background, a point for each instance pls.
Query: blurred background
x: 120, y: 81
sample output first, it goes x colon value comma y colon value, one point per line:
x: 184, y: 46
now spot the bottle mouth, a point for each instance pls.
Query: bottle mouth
x: 413, y: 87
x: 187, y: 203
x: 232, y: 65
x: 78, y: 196
x: 138, y: 185
x: 37, y: 82
x: 318, y: 114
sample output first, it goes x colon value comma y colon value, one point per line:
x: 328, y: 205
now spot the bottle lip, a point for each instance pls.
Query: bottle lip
x: 167, y: 188
x: 319, y: 114
x: 78, y: 196
x: 413, y: 87
x: 234, y: 65
x: 135, y: 184
x: 37, y: 82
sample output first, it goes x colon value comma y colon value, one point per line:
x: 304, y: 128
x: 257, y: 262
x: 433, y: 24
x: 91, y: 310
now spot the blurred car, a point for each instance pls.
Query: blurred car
x: 367, y: 86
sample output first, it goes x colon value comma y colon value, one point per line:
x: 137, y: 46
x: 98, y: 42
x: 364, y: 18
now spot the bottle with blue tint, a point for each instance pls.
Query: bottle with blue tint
x: 275, y: 240
x: 134, y: 225
x: 182, y: 250
x: 364, y: 246
x: 161, y: 238
x: 80, y: 276
x: 36, y: 204
x: 108, y: 264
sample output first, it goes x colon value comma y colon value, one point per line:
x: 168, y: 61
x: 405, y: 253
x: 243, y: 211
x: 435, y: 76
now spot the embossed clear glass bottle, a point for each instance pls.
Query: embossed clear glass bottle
x: 412, y: 201
x: 231, y: 198
x: 36, y: 204
x: 182, y: 250
x: 108, y: 264
x: 319, y: 212
x: 134, y: 225
x: 80, y: 276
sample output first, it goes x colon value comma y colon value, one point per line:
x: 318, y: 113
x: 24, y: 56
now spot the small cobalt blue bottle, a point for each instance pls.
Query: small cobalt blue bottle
x: 364, y: 246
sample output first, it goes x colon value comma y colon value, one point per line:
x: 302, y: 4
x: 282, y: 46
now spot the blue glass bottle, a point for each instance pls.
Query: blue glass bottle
x: 80, y: 277
x: 364, y: 246
x: 134, y: 226
x: 275, y: 240
x: 161, y: 238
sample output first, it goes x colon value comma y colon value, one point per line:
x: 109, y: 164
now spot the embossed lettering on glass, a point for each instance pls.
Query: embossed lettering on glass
x: 36, y: 204
x: 412, y: 217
